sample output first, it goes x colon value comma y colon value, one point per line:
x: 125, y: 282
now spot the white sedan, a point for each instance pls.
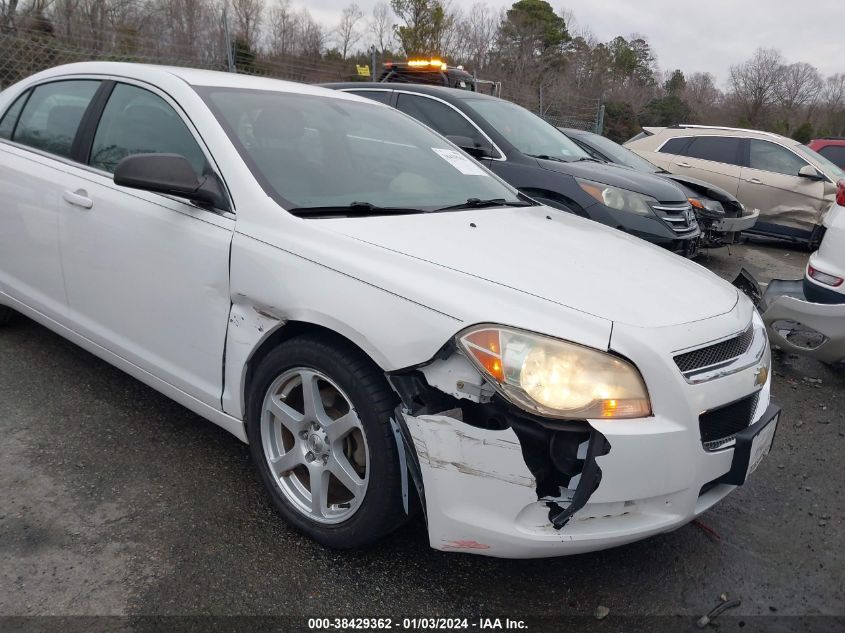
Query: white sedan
x: 390, y: 326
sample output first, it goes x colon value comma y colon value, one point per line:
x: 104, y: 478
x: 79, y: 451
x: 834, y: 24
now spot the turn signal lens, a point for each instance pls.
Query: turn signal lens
x: 555, y: 378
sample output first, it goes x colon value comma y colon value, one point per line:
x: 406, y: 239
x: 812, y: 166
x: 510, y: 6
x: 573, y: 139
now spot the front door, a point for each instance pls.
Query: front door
x: 147, y: 275
x: 771, y: 183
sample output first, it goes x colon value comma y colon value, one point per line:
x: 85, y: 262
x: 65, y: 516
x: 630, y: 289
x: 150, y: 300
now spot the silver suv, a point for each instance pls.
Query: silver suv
x: 792, y: 186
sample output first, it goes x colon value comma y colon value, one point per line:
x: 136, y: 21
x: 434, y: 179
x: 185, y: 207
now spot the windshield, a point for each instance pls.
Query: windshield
x: 829, y: 168
x: 321, y: 151
x: 526, y: 131
x: 618, y: 154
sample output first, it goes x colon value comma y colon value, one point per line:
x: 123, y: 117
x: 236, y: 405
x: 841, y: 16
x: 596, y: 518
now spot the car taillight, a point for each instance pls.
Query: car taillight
x: 840, y: 193
x: 824, y: 278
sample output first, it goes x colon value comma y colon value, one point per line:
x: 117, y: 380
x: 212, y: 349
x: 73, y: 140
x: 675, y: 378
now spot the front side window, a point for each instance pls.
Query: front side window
x: 52, y: 115
x: 311, y: 151
x: 719, y: 149
x: 772, y: 157
x: 7, y: 123
x: 832, y: 168
x: 527, y: 132
x: 136, y: 121
x: 438, y: 116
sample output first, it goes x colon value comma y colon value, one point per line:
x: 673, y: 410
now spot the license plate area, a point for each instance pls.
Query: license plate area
x: 752, y: 445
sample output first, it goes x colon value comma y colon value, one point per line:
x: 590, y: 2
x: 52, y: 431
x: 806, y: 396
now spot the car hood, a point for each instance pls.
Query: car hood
x: 553, y: 256
x: 659, y: 188
x: 704, y: 188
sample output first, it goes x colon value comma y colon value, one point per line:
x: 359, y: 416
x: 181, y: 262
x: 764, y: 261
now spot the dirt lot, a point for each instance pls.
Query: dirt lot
x: 116, y: 501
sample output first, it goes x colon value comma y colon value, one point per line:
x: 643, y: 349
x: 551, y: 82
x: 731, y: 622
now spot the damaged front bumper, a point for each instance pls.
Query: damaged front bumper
x: 736, y: 225
x: 497, y: 482
x: 796, y: 324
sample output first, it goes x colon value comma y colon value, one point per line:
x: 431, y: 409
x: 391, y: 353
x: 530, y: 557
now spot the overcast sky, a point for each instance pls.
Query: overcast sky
x: 707, y: 35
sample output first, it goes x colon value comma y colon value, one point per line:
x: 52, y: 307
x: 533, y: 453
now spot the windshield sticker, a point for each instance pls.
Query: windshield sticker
x: 459, y: 162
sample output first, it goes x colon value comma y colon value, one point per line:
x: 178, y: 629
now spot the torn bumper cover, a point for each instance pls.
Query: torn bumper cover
x: 481, y: 496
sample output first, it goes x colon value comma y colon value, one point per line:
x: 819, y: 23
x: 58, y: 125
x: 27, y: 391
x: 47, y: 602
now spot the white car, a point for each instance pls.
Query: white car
x: 388, y: 324
x: 807, y: 316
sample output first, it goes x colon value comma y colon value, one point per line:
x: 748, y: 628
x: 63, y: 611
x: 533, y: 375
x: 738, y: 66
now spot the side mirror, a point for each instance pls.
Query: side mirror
x: 475, y: 148
x: 170, y: 174
x: 810, y: 172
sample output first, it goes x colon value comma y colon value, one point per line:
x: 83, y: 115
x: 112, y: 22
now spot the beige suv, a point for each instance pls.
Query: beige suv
x: 791, y: 185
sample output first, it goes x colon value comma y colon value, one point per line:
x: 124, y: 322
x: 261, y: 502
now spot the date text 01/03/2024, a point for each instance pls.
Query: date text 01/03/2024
x: 414, y: 624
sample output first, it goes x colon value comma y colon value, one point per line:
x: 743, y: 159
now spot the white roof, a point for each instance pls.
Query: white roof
x: 191, y: 76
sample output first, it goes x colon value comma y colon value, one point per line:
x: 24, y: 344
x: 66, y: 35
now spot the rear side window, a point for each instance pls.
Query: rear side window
x: 438, y: 116
x: 772, y: 157
x: 672, y: 146
x: 7, y: 123
x: 834, y: 153
x: 382, y: 96
x: 136, y: 121
x: 52, y: 115
x: 720, y: 149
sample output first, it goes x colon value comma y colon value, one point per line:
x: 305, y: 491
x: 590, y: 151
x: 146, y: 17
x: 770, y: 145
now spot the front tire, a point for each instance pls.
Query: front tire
x: 318, y: 423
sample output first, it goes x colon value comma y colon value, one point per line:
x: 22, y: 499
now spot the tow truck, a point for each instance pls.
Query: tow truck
x: 437, y: 72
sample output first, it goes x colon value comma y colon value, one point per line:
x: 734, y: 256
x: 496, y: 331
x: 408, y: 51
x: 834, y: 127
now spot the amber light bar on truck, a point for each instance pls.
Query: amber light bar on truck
x: 428, y: 64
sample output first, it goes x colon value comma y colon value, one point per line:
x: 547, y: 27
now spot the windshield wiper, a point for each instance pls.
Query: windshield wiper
x: 591, y: 160
x: 478, y: 203
x: 547, y: 157
x: 356, y: 209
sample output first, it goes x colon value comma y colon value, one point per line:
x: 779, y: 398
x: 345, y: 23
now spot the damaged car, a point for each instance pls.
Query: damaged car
x: 720, y: 215
x: 389, y: 326
x: 791, y: 185
x: 807, y: 316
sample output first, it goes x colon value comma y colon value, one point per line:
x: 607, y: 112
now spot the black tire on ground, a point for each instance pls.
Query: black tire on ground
x: 6, y: 315
x: 366, y: 386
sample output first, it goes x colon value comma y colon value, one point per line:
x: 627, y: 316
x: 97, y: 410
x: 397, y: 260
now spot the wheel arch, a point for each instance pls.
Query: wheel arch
x: 253, y: 333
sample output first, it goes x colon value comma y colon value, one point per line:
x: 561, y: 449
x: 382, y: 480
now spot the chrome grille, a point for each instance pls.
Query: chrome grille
x: 715, y: 354
x: 680, y: 217
x: 719, y: 427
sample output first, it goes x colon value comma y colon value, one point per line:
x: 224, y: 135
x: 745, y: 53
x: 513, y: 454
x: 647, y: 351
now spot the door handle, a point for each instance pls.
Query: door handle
x: 78, y: 198
x: 755, y: 181
x: 683, y: 165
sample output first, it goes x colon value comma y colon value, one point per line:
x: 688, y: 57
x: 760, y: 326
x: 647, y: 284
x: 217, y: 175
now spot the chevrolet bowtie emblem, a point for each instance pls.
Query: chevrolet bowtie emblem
x: 762, y: 375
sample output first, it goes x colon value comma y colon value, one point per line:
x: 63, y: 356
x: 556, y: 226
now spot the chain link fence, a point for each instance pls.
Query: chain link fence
x: 25, y: 52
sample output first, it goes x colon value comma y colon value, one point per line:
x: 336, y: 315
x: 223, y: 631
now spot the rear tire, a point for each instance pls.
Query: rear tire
x: 329, y: 461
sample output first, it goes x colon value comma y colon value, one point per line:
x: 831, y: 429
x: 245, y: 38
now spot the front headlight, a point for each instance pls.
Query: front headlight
x: 617, y: 198
x: 554, y: 378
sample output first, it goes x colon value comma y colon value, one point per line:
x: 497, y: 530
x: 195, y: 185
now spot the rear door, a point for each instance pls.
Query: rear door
x: 37, y: 134
x: 147, y: 275
x: 713, y: 159
x: 771, y: 183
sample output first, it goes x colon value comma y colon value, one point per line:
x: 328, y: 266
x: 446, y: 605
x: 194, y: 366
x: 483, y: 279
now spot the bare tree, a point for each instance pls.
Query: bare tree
x: 283, y: 24
x: 381, y: 26
x: 478, y: 32
x: 703, y: 97
x: 799, y: 88
x: 248, y: 20
x: 347, y: 30
x: 755, y: 83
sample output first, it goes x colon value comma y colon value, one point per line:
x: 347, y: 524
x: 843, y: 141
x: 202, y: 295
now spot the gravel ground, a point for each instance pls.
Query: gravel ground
x: 116, y: 501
